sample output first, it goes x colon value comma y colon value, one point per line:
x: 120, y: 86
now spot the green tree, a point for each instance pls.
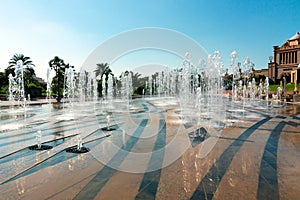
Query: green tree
x: 58, y: 65
x: 3, y: 83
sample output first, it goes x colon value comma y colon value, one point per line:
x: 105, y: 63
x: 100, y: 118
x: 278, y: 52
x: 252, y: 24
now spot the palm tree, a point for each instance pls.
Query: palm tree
x: 136, y: 81
x: 27, y: 65
x: 29, y: 73
x: 102, y: 68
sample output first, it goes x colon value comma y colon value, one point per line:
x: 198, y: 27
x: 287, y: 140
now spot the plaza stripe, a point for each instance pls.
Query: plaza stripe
x: 57, y: 158
x: 268, y: 182
x: 296, y: 117
x: 44, y: 135
x: 209, y: 184
x: 151, y: 179
x: 97, y: 183
x: 82, y: 124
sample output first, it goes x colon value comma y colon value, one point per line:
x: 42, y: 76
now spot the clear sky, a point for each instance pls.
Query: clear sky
x: 72, y: 29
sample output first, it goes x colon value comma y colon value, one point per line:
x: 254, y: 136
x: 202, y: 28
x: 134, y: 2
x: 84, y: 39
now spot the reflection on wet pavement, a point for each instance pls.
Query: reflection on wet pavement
x: 256, y: 156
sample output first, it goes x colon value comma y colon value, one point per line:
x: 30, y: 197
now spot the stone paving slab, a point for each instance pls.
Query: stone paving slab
x: 231, y: 170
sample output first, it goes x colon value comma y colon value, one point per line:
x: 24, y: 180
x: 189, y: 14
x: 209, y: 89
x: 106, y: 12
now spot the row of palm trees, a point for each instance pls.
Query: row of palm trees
x: 102, y: 69
x: 59, y: 66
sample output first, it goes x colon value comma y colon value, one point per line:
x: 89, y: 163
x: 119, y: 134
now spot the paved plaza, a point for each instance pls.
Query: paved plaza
x: 253, y: 154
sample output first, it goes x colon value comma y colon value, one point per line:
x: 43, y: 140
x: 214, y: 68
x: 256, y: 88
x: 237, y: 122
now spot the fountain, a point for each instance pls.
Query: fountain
x: 108, y: 122
x: 150, y: 85
x: 279, y: 93
x: 95, y: 90
x: 260, y: 91
x: 201, y: 88
x: 16, y: 86
x: 39, y: 139
x: 198, y: 90
x: 253, y: 89
x: 79, y: 143
x: 267, y: 89
x: 39, y: 146
x: 82, y: 86
x: 108, y: 125
x: 89, y: 87
x: 103, y: 87
x: 186, y: 92
x: 79, y: 148
x: 49, y: 82
x: 235, y: 66
x: 126, y: 88
x: 200, y: 110
x: 69, y: 86
x: 110, y: 91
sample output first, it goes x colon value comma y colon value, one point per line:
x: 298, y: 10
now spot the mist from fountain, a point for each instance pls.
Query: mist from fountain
x: 39, y: 139
x: 267, y: 89
x: 186, y: 94
x: 159, y: 84
x: 173, y: 83
x: 95, y: 90
x: 150, y: 85
x: 235, y: 66
x: 279, y: 93
x: 110, y: 91
x: 82, y: 86
x: 69, y: 86
x: 108, y: 122
x: 104, y: 87
x: 200, y: 87
x: 89, y: 87
x: 79, y: 142
x: 126, y: 88
x: 215, y: 87
x: 49, y: 82
x: 253, y: 89
x: 16, y: 86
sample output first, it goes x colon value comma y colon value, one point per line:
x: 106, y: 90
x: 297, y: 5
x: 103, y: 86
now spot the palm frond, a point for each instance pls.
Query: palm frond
x: 27, y: 63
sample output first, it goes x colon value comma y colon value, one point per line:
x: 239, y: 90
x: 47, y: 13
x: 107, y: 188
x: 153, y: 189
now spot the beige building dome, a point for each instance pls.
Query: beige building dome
x: 295, y: 37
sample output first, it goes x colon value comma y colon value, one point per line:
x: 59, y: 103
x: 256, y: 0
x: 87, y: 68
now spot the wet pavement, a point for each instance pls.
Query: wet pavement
x: 255, y: 154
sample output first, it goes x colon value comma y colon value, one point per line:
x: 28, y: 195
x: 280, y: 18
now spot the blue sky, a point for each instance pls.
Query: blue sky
x: 72, y: 29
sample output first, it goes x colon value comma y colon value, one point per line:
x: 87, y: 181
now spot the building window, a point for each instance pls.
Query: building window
x: 292, y: 56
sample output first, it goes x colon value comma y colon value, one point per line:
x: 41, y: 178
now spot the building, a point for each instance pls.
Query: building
x: 286, y: 61
x: 261, y: 72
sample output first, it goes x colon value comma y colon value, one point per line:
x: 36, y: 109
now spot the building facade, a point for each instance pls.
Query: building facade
x: 261, y: 72
x: 286, y: 61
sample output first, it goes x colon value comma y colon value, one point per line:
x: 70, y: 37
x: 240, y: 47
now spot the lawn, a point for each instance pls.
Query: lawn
x: 289, y: 87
